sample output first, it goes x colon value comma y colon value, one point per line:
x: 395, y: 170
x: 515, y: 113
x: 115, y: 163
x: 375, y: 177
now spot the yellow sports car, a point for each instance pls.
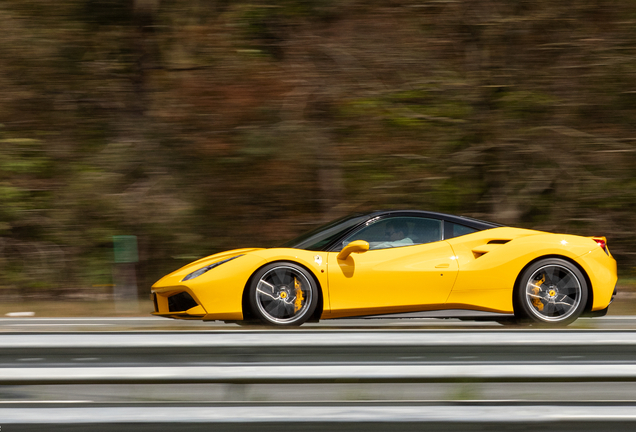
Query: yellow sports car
x: 397, y: 262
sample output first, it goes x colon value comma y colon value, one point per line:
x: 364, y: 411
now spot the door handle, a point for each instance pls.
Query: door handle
x: 444, y: 265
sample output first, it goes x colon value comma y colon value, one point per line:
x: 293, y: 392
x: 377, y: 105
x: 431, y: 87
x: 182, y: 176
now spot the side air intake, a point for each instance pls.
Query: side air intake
x: 488, y: 247
x: 181, y: 302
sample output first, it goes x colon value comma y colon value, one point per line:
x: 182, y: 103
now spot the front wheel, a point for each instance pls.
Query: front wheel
x: 283, y: 294
x: 551, y: 291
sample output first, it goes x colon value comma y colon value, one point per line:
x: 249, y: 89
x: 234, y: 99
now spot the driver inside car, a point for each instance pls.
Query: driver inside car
x: 396, y: 235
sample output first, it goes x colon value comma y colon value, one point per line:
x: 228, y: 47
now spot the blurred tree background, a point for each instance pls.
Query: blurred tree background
x: 205, y: 125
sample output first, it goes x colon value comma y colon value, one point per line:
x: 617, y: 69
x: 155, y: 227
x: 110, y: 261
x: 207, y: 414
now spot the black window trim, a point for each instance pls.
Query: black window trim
x: 478, y: 225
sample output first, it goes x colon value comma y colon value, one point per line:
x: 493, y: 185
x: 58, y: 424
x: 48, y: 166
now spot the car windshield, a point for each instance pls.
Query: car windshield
x: 321, y: 237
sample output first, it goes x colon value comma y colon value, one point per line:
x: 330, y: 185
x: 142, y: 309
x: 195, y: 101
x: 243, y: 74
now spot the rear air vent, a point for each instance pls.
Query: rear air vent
x: 181, y: 302
x: 498, y: 241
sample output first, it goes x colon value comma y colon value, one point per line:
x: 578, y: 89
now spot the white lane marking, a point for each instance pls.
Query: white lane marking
x: 57, y: 324
x: 151, y: 318
x: 16, y: 402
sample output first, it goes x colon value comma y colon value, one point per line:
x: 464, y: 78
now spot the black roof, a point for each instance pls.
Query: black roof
x: 329, y: 236
x: 462, y: 220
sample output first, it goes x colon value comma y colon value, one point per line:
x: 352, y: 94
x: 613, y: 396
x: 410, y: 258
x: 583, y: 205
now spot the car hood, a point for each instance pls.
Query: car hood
x: 211, y: 259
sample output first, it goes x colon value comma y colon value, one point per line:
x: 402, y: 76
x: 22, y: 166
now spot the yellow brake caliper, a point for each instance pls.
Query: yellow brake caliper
x: 298, y: 304
x: 536, y: 302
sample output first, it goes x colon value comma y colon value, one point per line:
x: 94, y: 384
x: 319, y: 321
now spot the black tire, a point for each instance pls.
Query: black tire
x: 283, y: 294
x: 551, y: 291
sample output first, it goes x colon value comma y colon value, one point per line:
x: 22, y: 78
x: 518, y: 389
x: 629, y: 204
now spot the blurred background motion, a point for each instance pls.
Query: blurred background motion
x: 203, y: 125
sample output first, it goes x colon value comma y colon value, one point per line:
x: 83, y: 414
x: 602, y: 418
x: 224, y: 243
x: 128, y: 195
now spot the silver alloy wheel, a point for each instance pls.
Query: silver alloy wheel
x: 283, y: 295
x: 553, y: 293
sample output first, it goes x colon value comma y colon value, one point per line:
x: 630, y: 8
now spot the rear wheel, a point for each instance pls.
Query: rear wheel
x: 283, y: 294
x: 551, y: 291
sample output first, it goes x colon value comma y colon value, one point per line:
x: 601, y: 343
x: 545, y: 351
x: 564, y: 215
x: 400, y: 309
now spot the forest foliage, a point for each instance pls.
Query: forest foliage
x: 207, y: 125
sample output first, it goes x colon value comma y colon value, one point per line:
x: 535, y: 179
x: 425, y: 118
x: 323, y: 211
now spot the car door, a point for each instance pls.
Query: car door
x: 394, y: 275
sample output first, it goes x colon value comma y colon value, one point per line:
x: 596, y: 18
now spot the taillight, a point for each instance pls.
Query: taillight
x: 602, y: 242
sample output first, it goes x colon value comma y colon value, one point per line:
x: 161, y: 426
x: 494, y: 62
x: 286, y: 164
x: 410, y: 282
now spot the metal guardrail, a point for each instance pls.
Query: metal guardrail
x: 326, y: 356
x: 318, y: 338
x: 370, y: 417
x: 318, y: 373
x: 299, y: 357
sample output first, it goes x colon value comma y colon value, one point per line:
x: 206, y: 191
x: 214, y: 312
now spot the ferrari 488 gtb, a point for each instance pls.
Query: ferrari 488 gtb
x: 397, y: 262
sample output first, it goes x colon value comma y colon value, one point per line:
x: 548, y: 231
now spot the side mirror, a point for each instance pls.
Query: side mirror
x: 357, y: 246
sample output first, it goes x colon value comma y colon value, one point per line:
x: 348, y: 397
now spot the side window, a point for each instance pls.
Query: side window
x: 398, y: 231
x: 455, y: 230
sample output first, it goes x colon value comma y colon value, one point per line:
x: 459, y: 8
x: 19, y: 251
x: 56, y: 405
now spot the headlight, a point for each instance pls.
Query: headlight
x: 207, y: 268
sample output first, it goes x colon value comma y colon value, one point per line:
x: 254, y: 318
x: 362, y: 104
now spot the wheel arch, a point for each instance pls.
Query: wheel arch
x: 245, y: 305
x: 590, y: 291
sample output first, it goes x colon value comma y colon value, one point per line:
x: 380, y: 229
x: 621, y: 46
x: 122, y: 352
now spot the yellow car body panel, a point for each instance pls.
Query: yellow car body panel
x: 402, y: 279
x: 487, y: 278
x: 476, y: 271
x: 220, y: 291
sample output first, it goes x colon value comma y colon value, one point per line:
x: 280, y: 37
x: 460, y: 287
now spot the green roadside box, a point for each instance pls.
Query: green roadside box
x: 125, y: 248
